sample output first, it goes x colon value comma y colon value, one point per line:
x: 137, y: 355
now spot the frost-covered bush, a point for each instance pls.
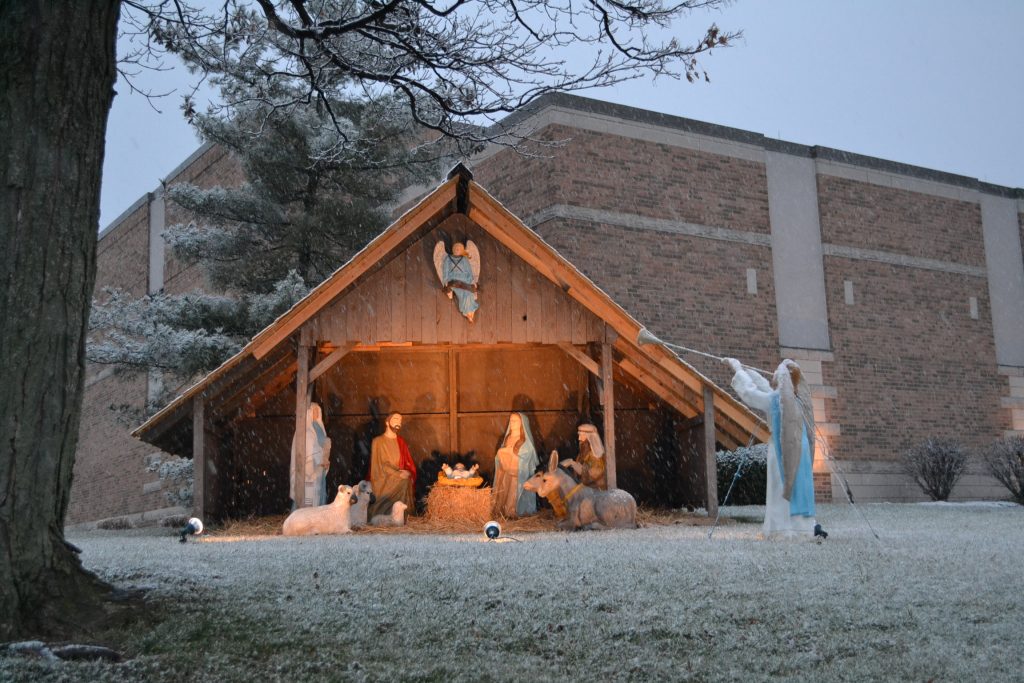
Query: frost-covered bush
x: 177, y: 477
x: 114, y: 524
x: 935, y: 466
x: 1005, y: 460
x: 750, y: 487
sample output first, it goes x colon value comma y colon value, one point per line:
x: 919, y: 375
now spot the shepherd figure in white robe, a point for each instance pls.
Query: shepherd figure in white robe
x: 313, y: 470
x: 789, y: 500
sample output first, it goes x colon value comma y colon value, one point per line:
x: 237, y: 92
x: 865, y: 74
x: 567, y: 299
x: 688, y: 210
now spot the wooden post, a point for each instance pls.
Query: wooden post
x: 710, y: 463
x: 608, y: 402
x: 199, y: 485
x: 453, y: 404
x: 301, y: 406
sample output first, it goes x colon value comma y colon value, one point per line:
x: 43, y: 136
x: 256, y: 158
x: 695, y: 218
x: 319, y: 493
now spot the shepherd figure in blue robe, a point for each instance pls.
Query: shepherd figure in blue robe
x: 789, y: 501
x: 459, y: 273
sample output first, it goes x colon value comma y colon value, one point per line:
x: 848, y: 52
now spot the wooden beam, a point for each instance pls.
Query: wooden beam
x: 658, y: 389
x: 328, y: 362
x: 199, y: 482
x: 710, y: 462
x: 581, y: 357
x: 245, y: 392
x: 453, y: 404
x: 401, y: 229
x: 608, y: 397
x: 692, y: 422
x: 301, y: 406
x: 727, y: 428
x: 272, y: 388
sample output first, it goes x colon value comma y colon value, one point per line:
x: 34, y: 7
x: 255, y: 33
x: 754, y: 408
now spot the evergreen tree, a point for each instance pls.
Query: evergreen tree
x: 312, y: 198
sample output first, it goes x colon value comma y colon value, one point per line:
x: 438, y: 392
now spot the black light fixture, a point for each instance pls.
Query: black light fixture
x: 492, y: 530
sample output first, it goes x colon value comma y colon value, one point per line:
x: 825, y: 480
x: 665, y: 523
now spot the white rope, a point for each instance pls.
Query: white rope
x: 711, y: 355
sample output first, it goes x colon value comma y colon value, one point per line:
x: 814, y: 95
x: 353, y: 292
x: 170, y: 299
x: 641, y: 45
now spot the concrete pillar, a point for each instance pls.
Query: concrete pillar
x: 796, y: 252
x: 1005, y: 268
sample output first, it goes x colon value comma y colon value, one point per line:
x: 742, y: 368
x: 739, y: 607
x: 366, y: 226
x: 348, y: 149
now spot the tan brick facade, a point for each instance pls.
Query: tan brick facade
x: 860, y: 214
x: 672, y: 219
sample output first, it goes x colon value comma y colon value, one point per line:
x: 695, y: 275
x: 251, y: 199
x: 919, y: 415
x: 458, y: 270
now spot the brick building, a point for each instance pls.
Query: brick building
x: 899, y: 289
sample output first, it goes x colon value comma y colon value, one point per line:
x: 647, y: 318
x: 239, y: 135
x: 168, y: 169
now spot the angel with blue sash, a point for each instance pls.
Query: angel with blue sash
x: 515, y: 462
x: 789, y: 500
x: 459, y: 273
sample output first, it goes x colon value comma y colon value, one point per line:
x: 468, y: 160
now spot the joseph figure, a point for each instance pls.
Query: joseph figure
x: 392, y: 469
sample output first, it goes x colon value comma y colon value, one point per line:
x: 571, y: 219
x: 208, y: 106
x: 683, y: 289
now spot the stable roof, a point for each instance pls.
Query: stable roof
x: 270, y: 357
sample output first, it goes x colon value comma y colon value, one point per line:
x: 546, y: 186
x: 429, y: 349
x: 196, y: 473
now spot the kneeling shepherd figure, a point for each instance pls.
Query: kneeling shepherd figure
x: 789, y: 500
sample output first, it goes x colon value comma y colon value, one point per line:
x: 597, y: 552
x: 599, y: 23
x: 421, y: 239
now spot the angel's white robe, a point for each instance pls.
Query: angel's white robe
x: 782, y: 517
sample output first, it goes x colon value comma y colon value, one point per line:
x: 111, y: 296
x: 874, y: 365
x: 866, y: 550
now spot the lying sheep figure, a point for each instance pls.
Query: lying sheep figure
x: 396, y: 518
x: 323, y: 519
x: 365, y: 498
x: 586, y: 507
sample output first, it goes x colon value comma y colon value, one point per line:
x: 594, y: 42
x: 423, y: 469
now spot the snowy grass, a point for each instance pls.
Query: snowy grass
x: 940, y: 597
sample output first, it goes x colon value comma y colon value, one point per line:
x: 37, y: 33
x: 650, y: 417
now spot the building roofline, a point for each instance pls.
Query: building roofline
x: 713, y: 130
x: 679, y: 123
x: 175, y: 172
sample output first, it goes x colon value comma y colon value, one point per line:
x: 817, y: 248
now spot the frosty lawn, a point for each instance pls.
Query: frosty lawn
x: 941, y: 597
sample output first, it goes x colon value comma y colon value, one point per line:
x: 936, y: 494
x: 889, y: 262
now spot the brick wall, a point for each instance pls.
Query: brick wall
x: 215, y: 168
x: 869, y: 216
x: 109, y: 474
x: 620, y: 174
x: 909, y: 360
x: 688, y: 290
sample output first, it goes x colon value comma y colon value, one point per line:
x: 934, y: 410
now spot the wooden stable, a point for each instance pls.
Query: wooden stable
x: 380, y: 335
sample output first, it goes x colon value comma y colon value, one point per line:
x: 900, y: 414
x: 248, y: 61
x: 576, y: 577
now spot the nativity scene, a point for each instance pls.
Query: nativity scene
x: 552, y: 382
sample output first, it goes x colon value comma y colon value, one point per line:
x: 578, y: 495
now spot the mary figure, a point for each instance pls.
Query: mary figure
x: 514, y: 463
x: 313, y: 469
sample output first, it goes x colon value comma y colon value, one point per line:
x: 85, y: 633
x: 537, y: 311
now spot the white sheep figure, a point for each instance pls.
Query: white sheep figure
x: 396, y: 518
x: 332, y: 518
x: 364, y: 498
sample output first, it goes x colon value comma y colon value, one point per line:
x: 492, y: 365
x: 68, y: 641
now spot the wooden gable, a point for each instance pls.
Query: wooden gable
x: 402, y: 300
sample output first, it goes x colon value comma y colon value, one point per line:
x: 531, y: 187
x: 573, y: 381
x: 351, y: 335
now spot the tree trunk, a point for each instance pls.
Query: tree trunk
x: 57, y: 70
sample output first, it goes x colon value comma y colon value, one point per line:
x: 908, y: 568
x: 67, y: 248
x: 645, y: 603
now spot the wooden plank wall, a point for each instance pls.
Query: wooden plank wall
x: 403, y: 301
x: 552, y: 389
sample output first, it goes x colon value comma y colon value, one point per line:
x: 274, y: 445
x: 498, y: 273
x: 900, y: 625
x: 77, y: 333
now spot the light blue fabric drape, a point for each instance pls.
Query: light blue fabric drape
x: 802, y: 499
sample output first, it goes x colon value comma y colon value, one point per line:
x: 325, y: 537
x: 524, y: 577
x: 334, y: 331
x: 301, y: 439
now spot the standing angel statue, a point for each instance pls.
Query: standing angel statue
x: 459, y: 273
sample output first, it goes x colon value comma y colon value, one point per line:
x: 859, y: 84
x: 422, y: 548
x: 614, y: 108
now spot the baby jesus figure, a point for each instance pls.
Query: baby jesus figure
x: 460, y: 471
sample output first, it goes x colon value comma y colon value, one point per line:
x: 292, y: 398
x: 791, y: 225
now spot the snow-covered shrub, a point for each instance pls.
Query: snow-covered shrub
x: 935, y: 465
x: 177, y: 475
x: 750, y: 487
x: 114, y: 524
x: 1005, y: 460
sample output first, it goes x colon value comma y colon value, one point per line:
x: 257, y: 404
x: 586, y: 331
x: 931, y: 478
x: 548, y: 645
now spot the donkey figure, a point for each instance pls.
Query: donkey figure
x: 587, y: 508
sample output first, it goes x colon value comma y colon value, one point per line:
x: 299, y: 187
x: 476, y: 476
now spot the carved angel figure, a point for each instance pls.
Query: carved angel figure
x: 459, y: 273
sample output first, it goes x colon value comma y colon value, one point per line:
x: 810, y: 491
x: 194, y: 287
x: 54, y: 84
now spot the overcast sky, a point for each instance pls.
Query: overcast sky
x: 935, y: 83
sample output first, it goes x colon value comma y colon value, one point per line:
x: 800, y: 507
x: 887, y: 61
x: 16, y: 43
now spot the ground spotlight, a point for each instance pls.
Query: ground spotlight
x: 492, y: 529
x: 194, y: 526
